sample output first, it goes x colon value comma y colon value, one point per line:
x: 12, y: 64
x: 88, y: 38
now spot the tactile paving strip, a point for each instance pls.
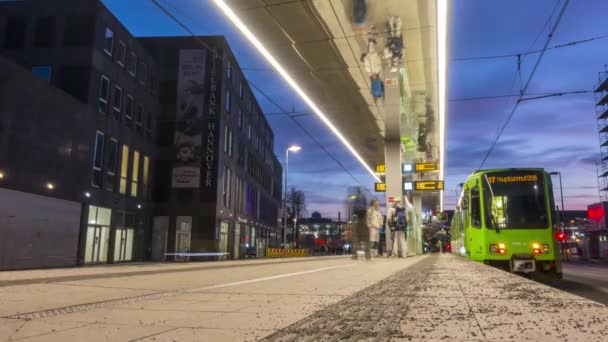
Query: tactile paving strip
x: 91, y: 306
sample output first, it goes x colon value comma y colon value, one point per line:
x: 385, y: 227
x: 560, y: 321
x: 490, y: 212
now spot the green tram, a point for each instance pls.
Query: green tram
x: 504, y: 218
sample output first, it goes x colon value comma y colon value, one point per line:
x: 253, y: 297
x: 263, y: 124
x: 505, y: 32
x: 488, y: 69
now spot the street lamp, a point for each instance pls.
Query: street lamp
x: 292, y: 148
x: 561, y: 190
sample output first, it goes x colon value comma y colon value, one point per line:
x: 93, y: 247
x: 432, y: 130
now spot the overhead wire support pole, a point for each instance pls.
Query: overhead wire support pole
x: 534, y: 69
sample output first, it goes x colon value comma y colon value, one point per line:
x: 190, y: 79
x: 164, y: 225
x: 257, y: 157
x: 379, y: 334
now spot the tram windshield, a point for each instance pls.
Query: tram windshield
x: 515, y: 200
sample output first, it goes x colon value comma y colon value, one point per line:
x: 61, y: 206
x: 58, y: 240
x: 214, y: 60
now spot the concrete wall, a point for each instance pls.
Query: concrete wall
x: 37, y: 231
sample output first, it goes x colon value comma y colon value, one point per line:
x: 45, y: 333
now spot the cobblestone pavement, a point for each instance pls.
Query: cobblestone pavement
x: 449, y: 298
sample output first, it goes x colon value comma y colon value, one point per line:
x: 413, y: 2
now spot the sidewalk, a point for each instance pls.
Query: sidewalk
x: 24, y: 277
x: 448, y: 298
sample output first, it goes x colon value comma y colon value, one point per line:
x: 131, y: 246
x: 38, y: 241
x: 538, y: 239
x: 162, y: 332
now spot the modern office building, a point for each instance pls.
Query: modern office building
x: 216, y: 150
x: 88, y: 142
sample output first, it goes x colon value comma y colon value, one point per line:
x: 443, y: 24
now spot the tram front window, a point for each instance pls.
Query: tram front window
x: 515, y: 200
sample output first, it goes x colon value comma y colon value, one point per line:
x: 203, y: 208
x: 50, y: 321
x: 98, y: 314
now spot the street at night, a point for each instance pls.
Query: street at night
x: 303, y: 170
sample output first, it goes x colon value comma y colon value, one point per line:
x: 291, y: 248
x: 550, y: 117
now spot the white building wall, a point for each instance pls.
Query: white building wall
x: 37, y: 231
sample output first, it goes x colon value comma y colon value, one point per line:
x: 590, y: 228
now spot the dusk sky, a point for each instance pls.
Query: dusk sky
x: 558, y: 133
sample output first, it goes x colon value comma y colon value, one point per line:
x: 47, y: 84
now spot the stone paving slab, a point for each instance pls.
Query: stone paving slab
x: 24, y: 277
x: 448, y: 298
x: 262, y: 300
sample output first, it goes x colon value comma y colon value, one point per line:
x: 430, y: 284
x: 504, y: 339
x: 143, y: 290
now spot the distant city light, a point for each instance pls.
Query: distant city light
x: 50, y: 186
x: 1, y: 175
x: 139, y: 206
x: 87, y: 194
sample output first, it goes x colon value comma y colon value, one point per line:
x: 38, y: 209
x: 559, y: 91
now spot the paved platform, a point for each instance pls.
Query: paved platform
x: 427, y: 298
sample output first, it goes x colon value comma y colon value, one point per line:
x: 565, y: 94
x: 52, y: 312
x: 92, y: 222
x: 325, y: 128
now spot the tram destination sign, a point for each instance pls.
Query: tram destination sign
x: 513, y: 179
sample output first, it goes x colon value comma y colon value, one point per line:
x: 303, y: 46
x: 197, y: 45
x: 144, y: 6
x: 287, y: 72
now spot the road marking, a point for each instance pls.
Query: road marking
x: 213, y: 287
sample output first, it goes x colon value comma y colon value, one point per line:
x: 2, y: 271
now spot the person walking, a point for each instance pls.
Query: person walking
x: 361, y: 233
x: 374, y: 224
x: 400, y: 217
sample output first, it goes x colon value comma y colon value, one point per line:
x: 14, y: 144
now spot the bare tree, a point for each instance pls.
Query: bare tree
x: 296, y: 208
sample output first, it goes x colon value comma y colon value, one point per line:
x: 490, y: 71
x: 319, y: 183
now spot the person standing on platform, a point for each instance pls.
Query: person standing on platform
x: 361, y: 233
x: 374, y: 224
x: 400, y: 216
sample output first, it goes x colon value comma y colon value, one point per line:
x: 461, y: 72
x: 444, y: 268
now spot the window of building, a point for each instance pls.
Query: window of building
x: 250, y: 106
x: 240, y: 117
x: 228, y: 101
x: 15, y: 32
x: 43, y: 72
x: 132, y: 64
x: 98, y: 159
x: 149, y: 125
x: 135, y: 173
x: 108, y: 45
x: 227, y: 181
x: 104, y: 94
x: 117, y: 107
x: 249, y: 132
x: 139, y: 120
x: 79, y: 31
x: 229, y: 70
x: 121, y: 54
x: 124, y: 169
x: 230, y: 137
x: 111, y: 161
x: 129, y: 110
x: 44, y: 36
x: 241, y: 90
x: 225, y: 139
x: 146, y: 174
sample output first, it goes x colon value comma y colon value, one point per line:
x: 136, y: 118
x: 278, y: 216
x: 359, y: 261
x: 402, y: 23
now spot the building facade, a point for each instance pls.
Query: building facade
x: 88, y: 133
x: 217, y: 152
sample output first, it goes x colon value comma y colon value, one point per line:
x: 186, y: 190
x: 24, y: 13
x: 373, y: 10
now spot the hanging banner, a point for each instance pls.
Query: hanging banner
x: 189, y: 119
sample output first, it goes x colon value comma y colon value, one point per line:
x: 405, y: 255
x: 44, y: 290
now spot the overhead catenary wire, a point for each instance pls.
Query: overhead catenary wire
x: 205, y: 45
x: 309, y: 134
x: 530, y: 77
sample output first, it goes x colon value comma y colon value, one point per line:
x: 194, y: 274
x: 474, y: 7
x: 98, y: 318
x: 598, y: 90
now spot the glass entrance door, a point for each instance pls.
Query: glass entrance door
x: 183, y: 229
x: 123, y: 244
x: 223, y: 240
x: 98, y: 235
x: 237, y: 241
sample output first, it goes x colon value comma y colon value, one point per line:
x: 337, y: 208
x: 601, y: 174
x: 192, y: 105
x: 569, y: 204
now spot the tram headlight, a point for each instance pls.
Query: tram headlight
x: 493, y: 248
x: 545, y: 248
x: 500, y: 248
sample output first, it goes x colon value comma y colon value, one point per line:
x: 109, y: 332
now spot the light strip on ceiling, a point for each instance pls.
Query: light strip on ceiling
x: 442, y: 68
x: 229, y: 13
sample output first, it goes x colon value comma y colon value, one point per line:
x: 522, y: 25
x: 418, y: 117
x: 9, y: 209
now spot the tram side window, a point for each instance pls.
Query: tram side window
x: 475, y: 208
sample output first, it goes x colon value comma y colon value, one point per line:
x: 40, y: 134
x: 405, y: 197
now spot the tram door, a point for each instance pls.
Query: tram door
x: 475, y: 233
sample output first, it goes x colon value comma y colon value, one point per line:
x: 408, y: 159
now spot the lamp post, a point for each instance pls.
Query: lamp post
x: 292, y: 148
x: 561, y: 190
